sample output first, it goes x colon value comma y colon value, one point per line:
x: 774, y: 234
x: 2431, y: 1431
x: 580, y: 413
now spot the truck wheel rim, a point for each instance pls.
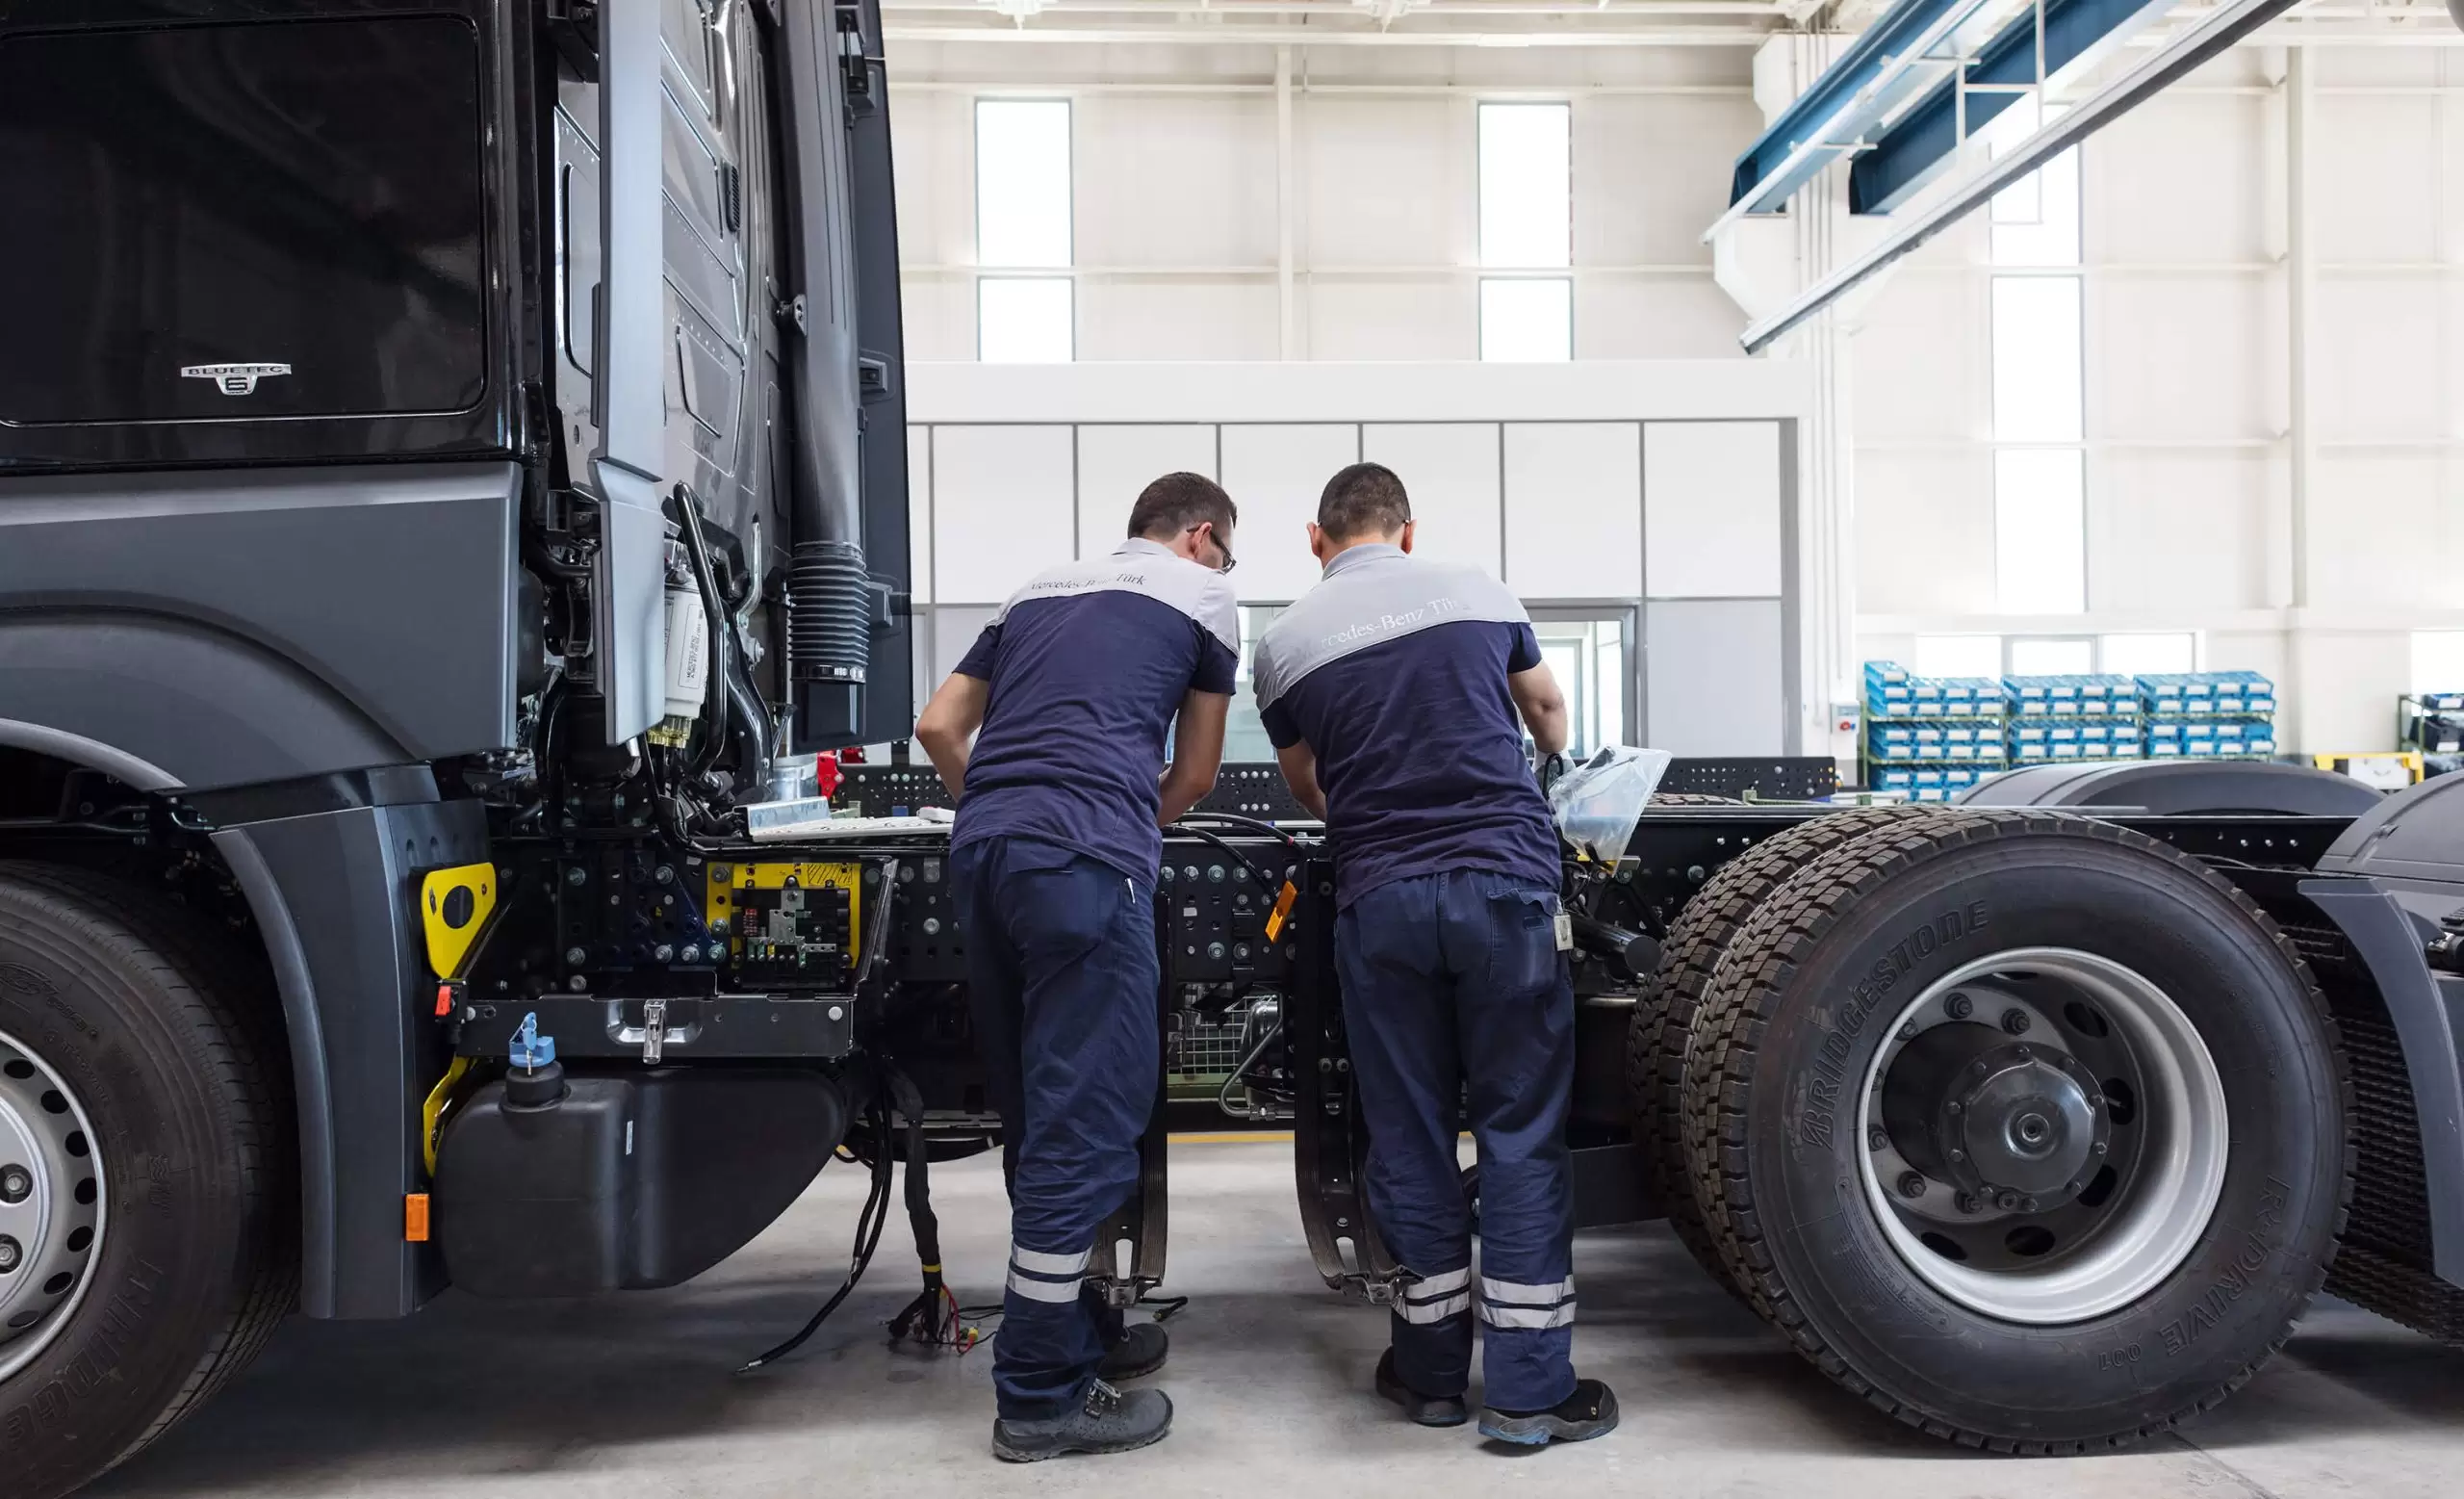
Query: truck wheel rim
x: 2043, y: 1136
x: 52, y: 1204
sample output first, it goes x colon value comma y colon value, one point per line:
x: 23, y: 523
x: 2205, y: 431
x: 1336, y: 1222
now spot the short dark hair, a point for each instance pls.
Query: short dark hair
x: 1364, y: 500
x: 1177, y: 501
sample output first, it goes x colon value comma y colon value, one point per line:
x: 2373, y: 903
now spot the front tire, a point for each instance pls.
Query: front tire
x: 2109, y: 1103
x: 152, y: 1033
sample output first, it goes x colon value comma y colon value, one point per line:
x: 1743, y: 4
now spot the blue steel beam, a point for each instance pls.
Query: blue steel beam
x: 2184, y: 52
x: 1922, y: 141
x: 1899, y: 28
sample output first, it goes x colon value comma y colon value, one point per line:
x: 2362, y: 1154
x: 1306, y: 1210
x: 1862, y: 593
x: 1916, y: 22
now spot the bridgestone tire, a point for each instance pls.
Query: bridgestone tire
x: 1656, y: 1041
x: 1836, y: 953
x: 169, y: 1033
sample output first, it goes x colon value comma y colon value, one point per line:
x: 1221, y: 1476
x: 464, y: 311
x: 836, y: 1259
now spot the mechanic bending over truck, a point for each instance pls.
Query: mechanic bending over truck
x: 1053, y: 864
x: 1390, y: 691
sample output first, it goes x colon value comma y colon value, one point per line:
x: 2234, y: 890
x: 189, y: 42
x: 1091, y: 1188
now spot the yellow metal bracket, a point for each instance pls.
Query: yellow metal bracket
x: 455, y: 907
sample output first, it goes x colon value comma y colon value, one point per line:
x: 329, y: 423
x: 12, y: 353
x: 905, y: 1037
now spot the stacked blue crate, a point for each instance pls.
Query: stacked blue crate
x: 1930, y: 726
x: 2209, y: 715
x: 2074, y: 718
x: 1928, y: 783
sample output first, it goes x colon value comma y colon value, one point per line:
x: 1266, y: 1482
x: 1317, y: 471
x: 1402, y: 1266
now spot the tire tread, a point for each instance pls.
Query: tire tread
x: 204, y: 973
x: 1735, y: 1015
x: 1689, y: 955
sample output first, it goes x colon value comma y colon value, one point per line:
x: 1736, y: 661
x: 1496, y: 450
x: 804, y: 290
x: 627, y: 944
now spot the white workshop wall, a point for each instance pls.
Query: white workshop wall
x: 2193, y: 440
x: 1176, y: 228
x: 1662, y: 489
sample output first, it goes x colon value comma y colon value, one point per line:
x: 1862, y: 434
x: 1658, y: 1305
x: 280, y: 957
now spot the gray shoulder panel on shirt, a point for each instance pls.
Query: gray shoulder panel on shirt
x: 1200, y: 593
x: 1369, y: 606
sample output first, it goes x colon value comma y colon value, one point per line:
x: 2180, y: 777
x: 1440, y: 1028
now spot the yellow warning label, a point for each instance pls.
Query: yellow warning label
x: 1282, y: 912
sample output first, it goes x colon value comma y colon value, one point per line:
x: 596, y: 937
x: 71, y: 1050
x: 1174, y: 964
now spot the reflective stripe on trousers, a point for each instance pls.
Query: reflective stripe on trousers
x: 1048, y: 1277
x: 1457, y: 1002
x: 1062, y: 984
x: 1433, y: 1299
x: 1509, y: 1304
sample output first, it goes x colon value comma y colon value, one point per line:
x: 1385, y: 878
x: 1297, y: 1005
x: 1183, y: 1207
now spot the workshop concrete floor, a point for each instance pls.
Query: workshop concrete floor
x: 638, y: 1395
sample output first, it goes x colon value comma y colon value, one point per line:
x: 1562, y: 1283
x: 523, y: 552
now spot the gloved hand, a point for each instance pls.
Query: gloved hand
x: 1549, y: 768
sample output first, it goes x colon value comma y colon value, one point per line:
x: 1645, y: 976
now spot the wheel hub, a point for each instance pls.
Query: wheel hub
x: 51, y: 1204
x: 2044, y: 1135
x: 1996, y: 1117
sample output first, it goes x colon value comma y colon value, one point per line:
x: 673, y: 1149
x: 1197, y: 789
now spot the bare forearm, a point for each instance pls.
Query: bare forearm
x: 948, y: 755
x: 1181, y: 790
x: 1547, y: 728
x: 1299, y: 766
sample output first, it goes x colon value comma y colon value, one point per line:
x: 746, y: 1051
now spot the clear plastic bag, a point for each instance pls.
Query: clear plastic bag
x: 1598, y: 803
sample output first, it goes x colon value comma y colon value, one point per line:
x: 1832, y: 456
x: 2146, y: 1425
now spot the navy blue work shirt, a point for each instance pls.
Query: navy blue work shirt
x: 1394, y: 672
x: 1089, y: 663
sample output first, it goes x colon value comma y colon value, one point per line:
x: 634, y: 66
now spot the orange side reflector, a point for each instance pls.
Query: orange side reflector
x: 1282, y: 912
x: 415, y: 1217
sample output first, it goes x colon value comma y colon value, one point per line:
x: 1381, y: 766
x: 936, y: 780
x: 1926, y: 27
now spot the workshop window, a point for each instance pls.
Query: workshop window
x: 2037, y: 394
x: 2039, y: 378
x: 2039, y: 530
x: 1587, y: 656
x: 1527, y: 225
x: 1958, y: 655
x: 1022, y: 223
x: 1245, y: 735
x: 2438, y: 661
x: 1527, y: 321
x: 2056, y: 656
x: 2147, y: 653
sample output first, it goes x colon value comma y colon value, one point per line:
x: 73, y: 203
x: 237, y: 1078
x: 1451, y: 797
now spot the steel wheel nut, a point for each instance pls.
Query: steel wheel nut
x: 1959, y: 1007
x: 16, y: 1184
x: 1877, y: 1137
x: 1965, y: 1202
x: 1912, y: 1184
x: 2016, y: 1020
x: 10, y: 1255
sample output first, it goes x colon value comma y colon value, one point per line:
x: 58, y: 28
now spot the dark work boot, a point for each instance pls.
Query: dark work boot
x: 1590, y: 1412
x: 1139, y: 1351
x: 1107, y: 1421
x: 1422, y: 1409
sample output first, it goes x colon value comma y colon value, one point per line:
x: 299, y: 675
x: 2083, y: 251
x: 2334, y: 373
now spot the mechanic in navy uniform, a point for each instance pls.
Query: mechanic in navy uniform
x: 1074, y: 686
x: 1391, y: 692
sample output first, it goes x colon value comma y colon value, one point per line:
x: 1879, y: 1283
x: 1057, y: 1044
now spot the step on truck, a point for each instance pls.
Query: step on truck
x: 453, y: 476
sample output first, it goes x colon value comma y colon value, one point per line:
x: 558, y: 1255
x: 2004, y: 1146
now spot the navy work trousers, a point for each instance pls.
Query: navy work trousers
x: 1063, y: 978
x: 1454, y: 992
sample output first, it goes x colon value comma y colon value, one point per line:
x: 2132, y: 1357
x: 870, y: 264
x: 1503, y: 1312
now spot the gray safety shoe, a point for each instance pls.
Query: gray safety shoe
x: 1108, y: 1421
x: 1140, y: 1351
x: 1590, y: 1412
x: 1424, y: 1409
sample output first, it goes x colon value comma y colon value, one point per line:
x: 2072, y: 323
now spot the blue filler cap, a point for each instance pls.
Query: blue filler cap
x: 531, y: 1051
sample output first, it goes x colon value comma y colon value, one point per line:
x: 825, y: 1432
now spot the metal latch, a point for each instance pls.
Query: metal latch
x: 654, y: 1031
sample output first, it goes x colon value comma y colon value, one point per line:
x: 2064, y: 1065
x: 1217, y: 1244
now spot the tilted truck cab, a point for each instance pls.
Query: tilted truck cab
x: 385, y: 385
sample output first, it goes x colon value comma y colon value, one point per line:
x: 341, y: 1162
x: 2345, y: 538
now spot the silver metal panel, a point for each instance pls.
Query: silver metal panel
x: 1714, y: 678
x: 632, y: 595
x: 630, y: 351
